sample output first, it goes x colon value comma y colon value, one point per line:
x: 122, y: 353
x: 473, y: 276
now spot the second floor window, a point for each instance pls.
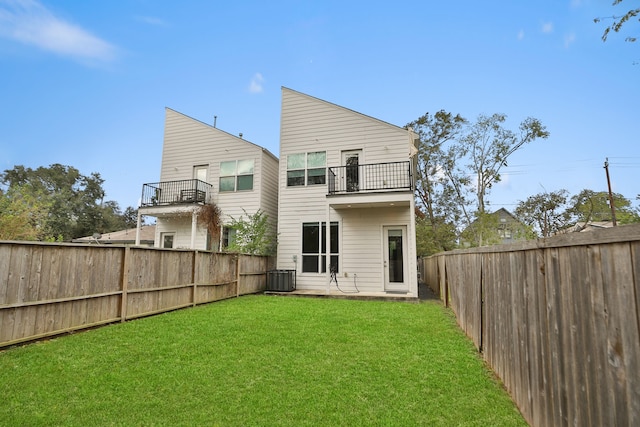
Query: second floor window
x: 236, y: 175
x: 306, y: 168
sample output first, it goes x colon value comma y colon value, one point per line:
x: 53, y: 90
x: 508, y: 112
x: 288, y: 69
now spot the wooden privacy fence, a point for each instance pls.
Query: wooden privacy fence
x: 48, y: 289
x: 557, y: 320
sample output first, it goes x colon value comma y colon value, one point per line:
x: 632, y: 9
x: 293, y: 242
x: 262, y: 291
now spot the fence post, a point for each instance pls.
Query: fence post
x: 125, y: 283
x: 237, y: 275
x: 194, y: 292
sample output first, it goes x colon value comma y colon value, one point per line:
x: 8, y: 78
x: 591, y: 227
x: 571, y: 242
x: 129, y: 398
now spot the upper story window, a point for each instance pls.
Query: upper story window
x: 306, y: 168
x: 236, y: 175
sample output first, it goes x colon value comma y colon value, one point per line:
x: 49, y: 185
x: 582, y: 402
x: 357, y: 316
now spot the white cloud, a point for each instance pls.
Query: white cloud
x: 547, y: 27
x: 569, y: 39
x: 152, y: 20
x: 29, y: 22
x: 256, y: 83
x: 521, y: 35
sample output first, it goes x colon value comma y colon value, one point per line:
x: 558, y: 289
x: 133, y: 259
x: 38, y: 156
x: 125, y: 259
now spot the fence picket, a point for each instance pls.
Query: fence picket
x: 560, y: 322
x: 50, y: 288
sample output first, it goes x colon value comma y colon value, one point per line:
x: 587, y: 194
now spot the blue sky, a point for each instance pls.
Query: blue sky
x: 85, y: 83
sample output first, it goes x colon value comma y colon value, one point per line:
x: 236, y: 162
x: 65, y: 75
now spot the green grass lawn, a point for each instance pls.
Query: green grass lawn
x: 260, y: 360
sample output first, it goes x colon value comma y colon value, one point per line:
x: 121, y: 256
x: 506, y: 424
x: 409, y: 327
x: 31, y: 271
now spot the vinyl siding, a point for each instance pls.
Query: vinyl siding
x: 269, y: 187
x: 363, y: 245
x: 189, y: 142
x: 181, y: 226
x: 309, y: 124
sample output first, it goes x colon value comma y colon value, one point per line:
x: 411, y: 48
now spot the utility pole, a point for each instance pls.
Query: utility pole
x: 613, y: 208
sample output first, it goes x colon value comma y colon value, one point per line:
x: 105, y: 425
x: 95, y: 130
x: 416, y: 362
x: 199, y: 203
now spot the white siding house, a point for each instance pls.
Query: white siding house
x: 353, y: 172
x: 202, y: 164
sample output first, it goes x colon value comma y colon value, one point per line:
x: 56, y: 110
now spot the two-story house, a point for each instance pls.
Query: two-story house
x: 346, y: 203
x: 203, y: 164
x: 500, y: 227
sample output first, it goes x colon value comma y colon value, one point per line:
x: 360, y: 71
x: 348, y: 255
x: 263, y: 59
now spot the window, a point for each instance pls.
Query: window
x: 314, y: 247
x: 316, y: 172
x: 309, y: 168
x: 167, y: 240
x: 236, y: 175
x: 228, y: 237
x: 504, y: 232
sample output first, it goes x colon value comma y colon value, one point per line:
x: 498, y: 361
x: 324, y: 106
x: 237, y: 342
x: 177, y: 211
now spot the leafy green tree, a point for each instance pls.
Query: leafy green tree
x: 589, y: 205
x: 619, y: 22
x: 22, y: 216
x: 431, y: 239
x: 458, y: 163
x: 487, y: 146
x: 254, y: 235
x: 130, y: 217
x: 74, y: 202
x: 547, y: 213
x: 438, y: 200
x: 483, y: 231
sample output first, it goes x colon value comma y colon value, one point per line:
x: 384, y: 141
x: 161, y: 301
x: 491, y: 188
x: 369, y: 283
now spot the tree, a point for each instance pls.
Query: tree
x: 22, y: 215
x: 485, y: 147
x: 589, y: 205
x: 458, y: 163
x: 130, y: 217
x: 619, y: 22
x: 547, y: 213
x: 438, y: 202
x: 254, y: 235
x: 433, y: 238
x: 488, y: 146
x: 74, y: 202
x: 483, y: 231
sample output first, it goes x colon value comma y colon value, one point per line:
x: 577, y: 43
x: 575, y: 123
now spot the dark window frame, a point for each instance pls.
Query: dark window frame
x: 314, y: 246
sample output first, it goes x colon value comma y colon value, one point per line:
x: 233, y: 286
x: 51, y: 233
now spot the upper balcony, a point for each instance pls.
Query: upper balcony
x: 370, y: 178
x: 186, y: 191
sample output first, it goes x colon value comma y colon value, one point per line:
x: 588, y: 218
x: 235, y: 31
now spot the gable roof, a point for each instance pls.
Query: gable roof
x: 504, y: 212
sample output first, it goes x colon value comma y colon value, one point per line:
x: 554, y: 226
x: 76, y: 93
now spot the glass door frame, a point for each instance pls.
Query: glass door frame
x: 389, y: 285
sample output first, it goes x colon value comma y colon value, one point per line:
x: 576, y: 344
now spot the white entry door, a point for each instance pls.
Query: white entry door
x: 395, y: 258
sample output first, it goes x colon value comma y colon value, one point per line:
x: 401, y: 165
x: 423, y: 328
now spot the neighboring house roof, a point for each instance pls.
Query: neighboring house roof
x: 503, y: 213
x: 122, y: 237
x: 230, y: 134
x: 589, y: 226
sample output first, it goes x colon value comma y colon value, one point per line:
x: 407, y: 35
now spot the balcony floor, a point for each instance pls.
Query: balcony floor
x: 371, y: 200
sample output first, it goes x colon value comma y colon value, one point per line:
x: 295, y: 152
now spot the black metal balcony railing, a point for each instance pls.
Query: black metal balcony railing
x: 175, y: 192
x: 370, y: 178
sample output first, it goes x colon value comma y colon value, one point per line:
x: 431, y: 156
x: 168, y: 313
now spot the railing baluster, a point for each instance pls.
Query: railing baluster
x: 370, y: 177
x: 175, y: 192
